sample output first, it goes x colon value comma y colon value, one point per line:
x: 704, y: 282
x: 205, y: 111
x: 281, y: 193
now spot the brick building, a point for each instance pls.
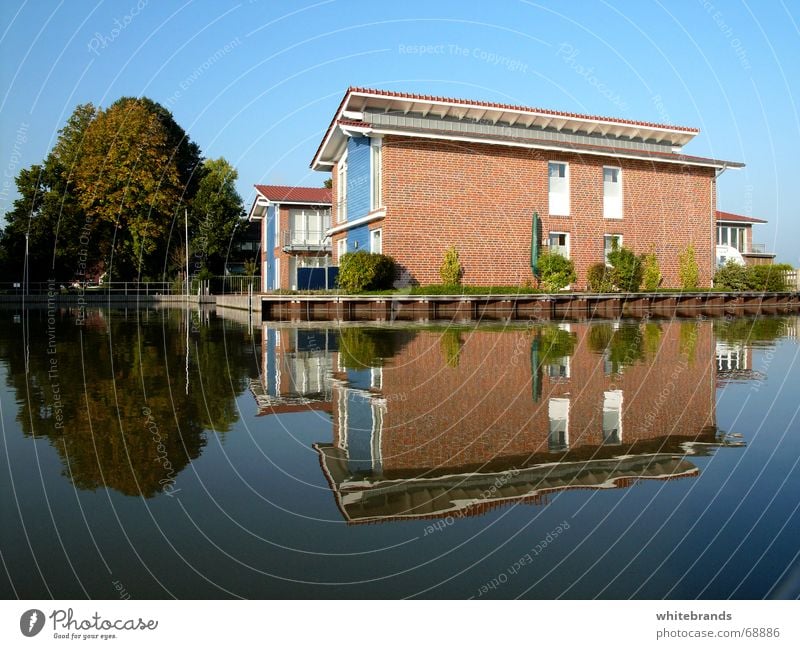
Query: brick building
x: 294, y: 222
x: 735, y: 240
x: 414, y: 175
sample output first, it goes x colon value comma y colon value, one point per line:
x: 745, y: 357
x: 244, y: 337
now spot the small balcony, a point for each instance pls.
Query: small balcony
x: 757, y: 254
x: 305, y: 241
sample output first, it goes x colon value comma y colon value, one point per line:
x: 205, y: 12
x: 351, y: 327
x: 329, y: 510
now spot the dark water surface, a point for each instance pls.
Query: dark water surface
x: 157, y: 454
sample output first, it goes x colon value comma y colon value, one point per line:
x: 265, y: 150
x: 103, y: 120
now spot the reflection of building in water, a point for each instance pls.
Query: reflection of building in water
x: 297, y: 369
x: 464, y: 420
x: 735, y: 362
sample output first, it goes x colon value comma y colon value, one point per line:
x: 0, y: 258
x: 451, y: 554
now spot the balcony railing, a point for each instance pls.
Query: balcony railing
x: 305, y: 240
x: 758, y: 248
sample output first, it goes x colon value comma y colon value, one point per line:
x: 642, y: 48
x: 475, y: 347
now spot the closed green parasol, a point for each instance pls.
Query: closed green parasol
x: 536, y: 228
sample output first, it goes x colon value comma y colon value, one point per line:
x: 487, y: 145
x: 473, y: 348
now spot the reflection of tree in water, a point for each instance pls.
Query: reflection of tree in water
x: 623, y: 345
x: 129, y: 369
x: 750, y: 330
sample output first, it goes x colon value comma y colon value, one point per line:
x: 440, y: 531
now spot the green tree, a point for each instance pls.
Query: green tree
x: 134, y: 174
x: 217, y: 210
x: 688, y: 269
x: 49, y: 213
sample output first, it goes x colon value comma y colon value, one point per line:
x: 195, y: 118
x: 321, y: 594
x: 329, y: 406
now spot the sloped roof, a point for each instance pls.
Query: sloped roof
x: 286, y: 194
x: 737, y: 218
x: 359, y: 108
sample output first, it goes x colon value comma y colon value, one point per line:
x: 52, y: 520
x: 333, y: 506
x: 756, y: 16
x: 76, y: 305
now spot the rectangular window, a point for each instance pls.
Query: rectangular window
x: 612, y: 192
x: 341, y: 248
x: 735, y: 237
x: 375, y: 241
x: 559, y: 243
x: 277, y: 278
x: 277, y: 218
x: 341, y: 190
x: 608, y: 245
x: 558, y: 190
x: 376, y: 169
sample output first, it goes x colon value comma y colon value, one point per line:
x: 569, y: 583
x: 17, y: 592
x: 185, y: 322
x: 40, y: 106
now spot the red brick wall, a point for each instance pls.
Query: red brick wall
x: 480, y: 198
x: 439, y: 415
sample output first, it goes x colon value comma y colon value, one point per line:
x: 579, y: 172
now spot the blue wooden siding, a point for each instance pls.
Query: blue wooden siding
x: 358, y: 160
x: 357, y: 177
x: 358, y: 239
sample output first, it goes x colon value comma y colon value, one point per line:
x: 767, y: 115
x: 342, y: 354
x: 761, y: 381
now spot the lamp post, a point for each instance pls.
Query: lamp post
x: 25, y: 268
x: 186, y: 245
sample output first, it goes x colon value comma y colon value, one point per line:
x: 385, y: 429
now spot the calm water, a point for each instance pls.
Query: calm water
x: 161, y: 454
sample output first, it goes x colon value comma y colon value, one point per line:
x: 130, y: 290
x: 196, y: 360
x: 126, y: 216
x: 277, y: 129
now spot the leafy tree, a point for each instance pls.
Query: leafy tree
x: 49, y: 213
x: 450, y: 270
x: 217, y: 210
x: 556, y: 271
x: 134, y: 173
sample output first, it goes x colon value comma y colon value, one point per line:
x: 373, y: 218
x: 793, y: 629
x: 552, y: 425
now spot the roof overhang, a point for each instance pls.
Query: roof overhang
x: 678, y: 159
x: 356, y: 101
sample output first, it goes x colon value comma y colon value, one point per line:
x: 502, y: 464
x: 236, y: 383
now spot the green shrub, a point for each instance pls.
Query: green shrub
x: 555, y: 343
x: 556, y: 272
x: 689, y: 271
x: 626, y: 269
x: 365, y: 271
x: 450, y: 270
x: 735, y: 277
x: 598, y: 278
x: 767, y: 277
x: 651, y: 273
x: 732, y: 277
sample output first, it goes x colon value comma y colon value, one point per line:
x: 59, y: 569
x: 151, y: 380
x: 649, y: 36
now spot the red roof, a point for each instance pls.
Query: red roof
x: 489, y: 104
x: 283, y: 193
x: 738, y: 218
x: 484, y: 104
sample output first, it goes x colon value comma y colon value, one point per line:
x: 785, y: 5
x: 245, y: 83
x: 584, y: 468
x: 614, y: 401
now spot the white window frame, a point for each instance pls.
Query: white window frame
x: 605, y: 254
x: 610, y: 213
x: 276, y: 281
x: 277, y: 224
x: 742, y: 247
x: 557, y: 210
x: 566, y: 241
x: 341, y: 248
x: 341, y: 190
x: 372, y: 234
x: 375, y: 179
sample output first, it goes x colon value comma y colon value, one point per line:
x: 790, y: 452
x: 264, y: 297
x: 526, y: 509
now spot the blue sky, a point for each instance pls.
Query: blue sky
x: 257, y: 82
